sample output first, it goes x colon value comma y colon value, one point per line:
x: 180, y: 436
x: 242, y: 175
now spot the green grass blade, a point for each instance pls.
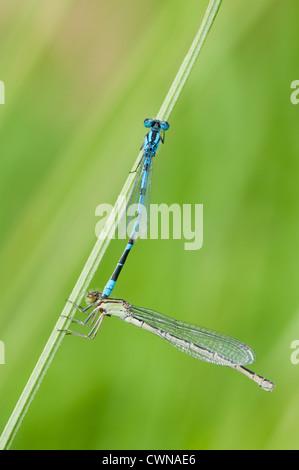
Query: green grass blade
x: 189, y: 60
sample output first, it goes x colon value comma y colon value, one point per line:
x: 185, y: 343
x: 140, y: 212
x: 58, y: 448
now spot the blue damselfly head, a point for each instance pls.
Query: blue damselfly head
x: 164, y: 125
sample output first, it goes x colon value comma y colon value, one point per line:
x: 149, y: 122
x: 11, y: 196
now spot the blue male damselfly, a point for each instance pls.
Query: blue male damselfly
x: 141, y: 190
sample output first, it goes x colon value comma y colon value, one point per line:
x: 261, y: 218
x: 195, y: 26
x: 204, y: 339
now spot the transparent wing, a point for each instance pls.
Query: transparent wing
x: 199, y: 342
x: 138, y: 205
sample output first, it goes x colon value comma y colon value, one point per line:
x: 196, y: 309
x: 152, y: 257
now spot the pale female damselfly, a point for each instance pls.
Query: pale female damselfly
x: 199, y: 342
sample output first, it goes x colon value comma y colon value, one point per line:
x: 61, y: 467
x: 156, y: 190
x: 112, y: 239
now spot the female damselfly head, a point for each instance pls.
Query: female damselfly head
x: 93, y: 296
x: 164, y: 125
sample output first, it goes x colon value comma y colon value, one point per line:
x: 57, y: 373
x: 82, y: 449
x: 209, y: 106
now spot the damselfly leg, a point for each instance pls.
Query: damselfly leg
x: 93, y: 331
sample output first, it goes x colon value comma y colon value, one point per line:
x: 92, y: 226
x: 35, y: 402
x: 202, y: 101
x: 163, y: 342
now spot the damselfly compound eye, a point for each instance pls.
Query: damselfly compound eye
x: 164, y: 125
x: 148, y: 122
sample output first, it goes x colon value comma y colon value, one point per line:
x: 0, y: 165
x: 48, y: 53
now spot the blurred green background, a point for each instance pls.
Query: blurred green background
x: 80, y: 77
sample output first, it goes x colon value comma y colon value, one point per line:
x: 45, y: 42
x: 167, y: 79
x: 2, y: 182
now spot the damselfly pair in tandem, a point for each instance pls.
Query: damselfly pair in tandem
x: 201, y: 343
